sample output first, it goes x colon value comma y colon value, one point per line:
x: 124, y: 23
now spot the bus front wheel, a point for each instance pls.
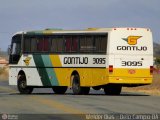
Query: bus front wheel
x: 59, y: 89
x: 112, y: 89
x: 22, y: 85
x: 77, y: 89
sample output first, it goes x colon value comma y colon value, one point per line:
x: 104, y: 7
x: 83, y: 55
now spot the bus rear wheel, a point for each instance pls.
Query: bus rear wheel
x: 77, y: 89
x: 22, y: 85
x: 112, y: 89
x: 59, y: 89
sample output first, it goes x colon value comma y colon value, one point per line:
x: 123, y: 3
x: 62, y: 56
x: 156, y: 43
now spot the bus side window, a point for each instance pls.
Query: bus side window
x: 74, y: 44
x: 33, y: 45
x: 89, y: 44
x: 46, y: 45
x: 86, y: 44
x: 104, y: 44
x: 97, y: 43
x: 68, y: 41
x: 53, y: 45
x: 27, y: 45
x: 82, y: 44
x: 39, y: 45
x: 57, y: 44
x: 60, y: 44
x: 101, y: 43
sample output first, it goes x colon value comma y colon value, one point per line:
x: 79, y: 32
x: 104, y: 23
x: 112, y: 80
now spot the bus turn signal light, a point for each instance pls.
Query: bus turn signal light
x: 110, y: 68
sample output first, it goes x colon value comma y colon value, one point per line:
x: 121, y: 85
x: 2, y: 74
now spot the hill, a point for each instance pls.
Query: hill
x: 156, y: 48
x: 4, y: 54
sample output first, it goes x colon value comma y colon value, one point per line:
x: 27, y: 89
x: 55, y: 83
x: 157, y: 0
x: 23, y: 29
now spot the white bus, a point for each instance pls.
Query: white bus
x: 101, y: 58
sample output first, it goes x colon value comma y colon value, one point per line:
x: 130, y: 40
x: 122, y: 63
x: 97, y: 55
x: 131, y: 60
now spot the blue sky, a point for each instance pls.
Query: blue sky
x: 18, y: 15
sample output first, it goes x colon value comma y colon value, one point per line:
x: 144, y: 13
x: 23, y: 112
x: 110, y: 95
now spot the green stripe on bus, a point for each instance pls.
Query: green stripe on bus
x: 41, y: 69
x: 50, y: 71
x: 35, y: 33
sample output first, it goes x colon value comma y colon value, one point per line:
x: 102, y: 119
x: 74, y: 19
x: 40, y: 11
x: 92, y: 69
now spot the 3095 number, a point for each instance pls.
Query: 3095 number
x: 131, y: 63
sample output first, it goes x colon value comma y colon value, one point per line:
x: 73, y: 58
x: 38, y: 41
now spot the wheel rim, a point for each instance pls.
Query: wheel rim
x: 76, y: 85
x: 23, y: 84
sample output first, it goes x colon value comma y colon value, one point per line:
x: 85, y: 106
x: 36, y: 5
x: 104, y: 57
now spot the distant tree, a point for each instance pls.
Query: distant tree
x: 158, y: 61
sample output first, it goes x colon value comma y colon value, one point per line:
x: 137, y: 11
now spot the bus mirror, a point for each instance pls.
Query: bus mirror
x: 9, y: 50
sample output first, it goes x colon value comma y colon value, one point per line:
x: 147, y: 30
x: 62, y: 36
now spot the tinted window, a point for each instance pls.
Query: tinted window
x: 36, y: 44
x: 66, y: 43
x: 71, y: 44
x: 100, y: 43
x: 93, y: 44
x: 74, y: 46
x: 27, y: 45
x: 56, y: 44
x: 16, y: 45
x: 15, y: 49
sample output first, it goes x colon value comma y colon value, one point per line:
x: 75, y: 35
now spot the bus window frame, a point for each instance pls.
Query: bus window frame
x: 63, y: 51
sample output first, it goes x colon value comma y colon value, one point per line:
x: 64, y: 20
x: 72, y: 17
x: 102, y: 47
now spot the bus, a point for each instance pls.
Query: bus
x: 98, y: 58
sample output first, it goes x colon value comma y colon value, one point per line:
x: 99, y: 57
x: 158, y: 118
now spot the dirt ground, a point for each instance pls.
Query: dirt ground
x: 4, y: 73
x: 153, y: 89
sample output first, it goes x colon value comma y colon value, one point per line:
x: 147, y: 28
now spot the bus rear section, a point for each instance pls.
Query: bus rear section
x: 130, y: 57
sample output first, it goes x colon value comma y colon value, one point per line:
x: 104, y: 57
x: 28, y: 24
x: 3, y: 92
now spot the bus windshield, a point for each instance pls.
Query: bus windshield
x: 15, y: 50
x: 16, y: 45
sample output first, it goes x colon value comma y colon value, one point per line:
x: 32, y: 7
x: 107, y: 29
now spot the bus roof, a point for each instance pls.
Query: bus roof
x: 49, y: 31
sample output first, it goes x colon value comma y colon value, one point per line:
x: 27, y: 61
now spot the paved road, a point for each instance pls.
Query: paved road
x: 44, y: 101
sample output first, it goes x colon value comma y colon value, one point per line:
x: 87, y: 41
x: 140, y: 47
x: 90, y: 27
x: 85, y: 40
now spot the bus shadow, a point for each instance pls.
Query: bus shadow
x: 70, y: 93
x: 91, y: 94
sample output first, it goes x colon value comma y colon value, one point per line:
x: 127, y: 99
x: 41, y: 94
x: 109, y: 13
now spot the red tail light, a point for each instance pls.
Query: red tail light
x: 151, y: 69
x: 110, y: 68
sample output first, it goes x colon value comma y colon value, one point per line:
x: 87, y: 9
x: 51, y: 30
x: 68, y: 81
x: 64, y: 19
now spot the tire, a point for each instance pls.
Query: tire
x: 59, y: 89
x: 22, y: 85
x: 77, y: 89
x: 111, y: 89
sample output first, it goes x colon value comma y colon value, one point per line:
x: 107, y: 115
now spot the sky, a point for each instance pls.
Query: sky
x: 21, y: 15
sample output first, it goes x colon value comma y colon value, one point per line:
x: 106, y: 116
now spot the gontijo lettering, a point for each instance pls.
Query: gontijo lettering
x: 75, y: 60
x: 132, y: 40
x: 132, y: 48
